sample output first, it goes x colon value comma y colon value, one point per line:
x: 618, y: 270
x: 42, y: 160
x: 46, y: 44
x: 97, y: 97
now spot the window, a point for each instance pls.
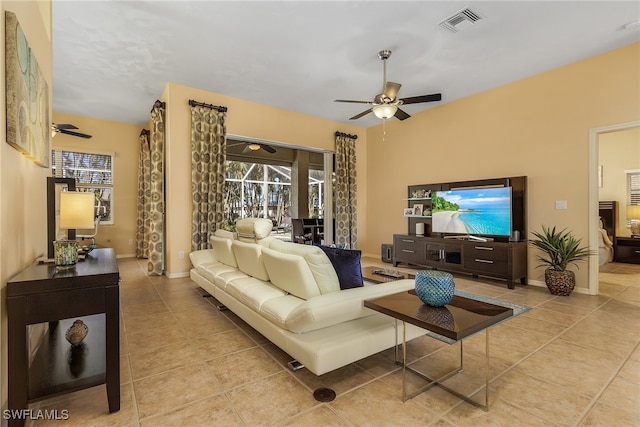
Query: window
x: 633, y: 188
x: 245, y: 186
x: 92, y: 172
x: 258, y: 182
x: 316, y: 192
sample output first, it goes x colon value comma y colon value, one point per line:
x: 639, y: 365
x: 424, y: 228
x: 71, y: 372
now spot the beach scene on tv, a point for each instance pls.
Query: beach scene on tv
x: 484, y: 211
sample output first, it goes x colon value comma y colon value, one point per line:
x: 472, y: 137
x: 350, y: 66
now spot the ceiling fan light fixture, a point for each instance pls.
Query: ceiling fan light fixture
x: 385, y: 111
x: 254, y: 147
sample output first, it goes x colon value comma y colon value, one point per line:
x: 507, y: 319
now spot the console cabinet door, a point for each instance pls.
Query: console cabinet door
x: 433, y: 255
x: 443, y: 255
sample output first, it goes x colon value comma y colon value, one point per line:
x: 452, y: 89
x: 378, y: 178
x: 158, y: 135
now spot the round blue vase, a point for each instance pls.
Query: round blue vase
x: 434, y: 288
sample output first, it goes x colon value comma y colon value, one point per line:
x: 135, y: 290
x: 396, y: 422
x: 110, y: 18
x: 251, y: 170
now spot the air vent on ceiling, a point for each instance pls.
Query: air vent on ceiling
x: 461, y: 20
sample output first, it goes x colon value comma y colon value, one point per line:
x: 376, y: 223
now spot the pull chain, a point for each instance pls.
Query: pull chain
x: 384, y: 129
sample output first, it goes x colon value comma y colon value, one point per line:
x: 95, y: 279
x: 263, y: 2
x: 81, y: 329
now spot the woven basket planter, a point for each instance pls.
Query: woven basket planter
x: 560, y: 282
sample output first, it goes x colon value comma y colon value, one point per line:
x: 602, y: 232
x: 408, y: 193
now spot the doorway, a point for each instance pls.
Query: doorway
x: 277, y: 181
x: 594, y: 194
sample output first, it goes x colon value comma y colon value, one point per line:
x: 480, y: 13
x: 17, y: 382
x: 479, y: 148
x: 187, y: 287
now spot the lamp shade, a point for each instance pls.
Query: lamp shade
x: 77, y: 209
x: 385, y: 111
x: 633, y: 212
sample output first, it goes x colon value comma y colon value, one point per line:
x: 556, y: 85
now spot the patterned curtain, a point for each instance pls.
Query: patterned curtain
x: 144, y: 208
x: 208, y: 156
x: 156, y: 190
x: 345, y: 191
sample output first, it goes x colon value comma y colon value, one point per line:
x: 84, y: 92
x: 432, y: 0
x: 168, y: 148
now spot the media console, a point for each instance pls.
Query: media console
x: 500, y: 255
x: 502, y: 260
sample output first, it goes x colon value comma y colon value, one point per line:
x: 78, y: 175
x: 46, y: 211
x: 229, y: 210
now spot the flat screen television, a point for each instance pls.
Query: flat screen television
x: 472, y: 211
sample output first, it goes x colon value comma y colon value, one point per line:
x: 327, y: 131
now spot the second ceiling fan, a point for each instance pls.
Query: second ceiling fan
x: 65, y: 128
x: 386, y: 104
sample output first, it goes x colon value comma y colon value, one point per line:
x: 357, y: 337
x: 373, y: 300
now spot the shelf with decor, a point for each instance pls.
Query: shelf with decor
x: 419, y: 196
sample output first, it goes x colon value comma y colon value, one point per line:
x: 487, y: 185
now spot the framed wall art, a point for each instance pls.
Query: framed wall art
x: 27, y: 96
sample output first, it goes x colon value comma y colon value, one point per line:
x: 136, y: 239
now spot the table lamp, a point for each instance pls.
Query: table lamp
x: 76, y: 211
x: 633, y: 216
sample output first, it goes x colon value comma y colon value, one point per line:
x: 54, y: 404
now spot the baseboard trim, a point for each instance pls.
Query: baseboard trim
x: 177, y: 275
x: 126, y: 256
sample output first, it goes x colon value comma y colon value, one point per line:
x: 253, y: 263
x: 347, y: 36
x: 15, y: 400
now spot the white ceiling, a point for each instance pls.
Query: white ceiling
x: 113, y: 59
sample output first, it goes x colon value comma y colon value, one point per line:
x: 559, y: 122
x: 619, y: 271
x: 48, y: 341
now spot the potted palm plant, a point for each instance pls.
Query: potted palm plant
x: 560, y: 248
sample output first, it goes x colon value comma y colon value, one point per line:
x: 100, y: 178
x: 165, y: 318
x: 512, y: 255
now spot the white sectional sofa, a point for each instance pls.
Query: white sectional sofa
x: 291, y: 294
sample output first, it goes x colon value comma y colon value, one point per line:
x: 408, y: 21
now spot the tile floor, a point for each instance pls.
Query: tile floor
x: 570, y: 361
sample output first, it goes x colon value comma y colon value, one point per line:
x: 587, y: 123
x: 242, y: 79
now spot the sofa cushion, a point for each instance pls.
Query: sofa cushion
x: 249, y: 259
x: 253, y: 229
x: 221, y: 280
x: 213, y: 270
x: 223, y: 251
x: 346, y: 262
x: 253, y: 292
x: 320, y: 265
x: 290, y: 273
x: 202, y: 256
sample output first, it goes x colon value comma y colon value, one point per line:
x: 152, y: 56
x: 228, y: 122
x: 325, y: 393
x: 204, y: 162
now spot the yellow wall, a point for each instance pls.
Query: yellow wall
x: 120, y: 140
x: 538, y: 127
x: 618, y: 152
x: 23, y: 184
x: 244, y: 118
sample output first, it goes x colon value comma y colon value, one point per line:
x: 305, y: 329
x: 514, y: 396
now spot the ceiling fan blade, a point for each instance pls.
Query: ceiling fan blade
x: 68, y: 132
x: 401, y: 115
x: 391, y: 90
x: 268, y: 148
x: 424, y: 98
x: 354, y: 102
x: 364, y: 113
x: 64, y: 126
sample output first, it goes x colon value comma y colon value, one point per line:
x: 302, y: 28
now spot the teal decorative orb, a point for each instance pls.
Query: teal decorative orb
x: 434, y: 288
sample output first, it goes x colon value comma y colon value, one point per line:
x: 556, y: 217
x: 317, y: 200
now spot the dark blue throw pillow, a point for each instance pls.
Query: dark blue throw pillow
x: 347, y: 265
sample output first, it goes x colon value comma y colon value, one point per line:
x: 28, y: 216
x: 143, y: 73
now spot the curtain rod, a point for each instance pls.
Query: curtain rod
x: 211, y: 106
x: 347, y: 135
x: 158, y: 104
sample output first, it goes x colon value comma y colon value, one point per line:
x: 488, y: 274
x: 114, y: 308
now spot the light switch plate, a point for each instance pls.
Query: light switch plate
x: 561, y: 204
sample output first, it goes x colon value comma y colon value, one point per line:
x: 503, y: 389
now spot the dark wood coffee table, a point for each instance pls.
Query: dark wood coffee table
x: 459, y: 319
x: 371, y: 274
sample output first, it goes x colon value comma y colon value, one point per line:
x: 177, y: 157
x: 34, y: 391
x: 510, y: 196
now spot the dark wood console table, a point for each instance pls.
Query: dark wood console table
x: 627, y: 249
x: 42, y: 294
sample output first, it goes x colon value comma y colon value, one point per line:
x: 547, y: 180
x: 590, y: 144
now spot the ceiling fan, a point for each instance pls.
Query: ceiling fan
x: 385, y: 105
x: 64, y: 128
x: 250, y: 146
x: 254, y: 146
